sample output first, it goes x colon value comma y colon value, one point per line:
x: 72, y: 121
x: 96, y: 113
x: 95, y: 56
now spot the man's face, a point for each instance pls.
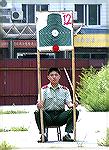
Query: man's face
x: 54, y: 77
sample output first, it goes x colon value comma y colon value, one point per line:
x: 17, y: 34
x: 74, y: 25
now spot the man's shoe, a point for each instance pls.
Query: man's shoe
x: 67, y: 138
x: 45, y: 139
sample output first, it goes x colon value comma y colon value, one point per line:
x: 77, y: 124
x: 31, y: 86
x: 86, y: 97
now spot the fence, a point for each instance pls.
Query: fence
x: 18, y: 77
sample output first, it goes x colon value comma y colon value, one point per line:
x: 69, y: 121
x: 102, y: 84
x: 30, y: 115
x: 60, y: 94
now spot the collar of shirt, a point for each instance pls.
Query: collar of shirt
x: 57, y: 87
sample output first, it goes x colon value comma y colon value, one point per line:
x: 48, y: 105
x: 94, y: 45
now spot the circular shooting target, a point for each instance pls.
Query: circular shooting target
x: 55, y: 33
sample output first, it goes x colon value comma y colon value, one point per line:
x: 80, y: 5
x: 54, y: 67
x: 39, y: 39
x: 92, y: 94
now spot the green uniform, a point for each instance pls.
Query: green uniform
x: 54, y: 107
x: 55, y: 98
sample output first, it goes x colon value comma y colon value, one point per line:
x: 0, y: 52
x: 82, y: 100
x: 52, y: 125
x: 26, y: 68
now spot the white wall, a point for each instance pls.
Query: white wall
x: 107, y: 13
x: 103, y: 14
x: 61, y: 6
x: 57, y: 5
x: 58, y: 1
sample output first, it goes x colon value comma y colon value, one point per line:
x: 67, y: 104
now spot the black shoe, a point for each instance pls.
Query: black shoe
x: 45, y: 139
x: 67, y: 138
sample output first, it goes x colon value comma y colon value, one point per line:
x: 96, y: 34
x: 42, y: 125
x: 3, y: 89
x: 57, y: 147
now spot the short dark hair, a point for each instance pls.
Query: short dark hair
x: 54, y: 69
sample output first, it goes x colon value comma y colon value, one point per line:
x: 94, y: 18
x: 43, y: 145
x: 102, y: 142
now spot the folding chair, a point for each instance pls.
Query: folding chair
x: 58, y: 131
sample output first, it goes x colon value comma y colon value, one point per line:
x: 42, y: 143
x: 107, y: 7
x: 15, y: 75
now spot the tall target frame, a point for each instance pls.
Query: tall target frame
x: 55, y: 33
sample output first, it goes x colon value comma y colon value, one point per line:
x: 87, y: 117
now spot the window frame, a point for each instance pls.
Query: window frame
x: 26, y: 8
x: 86, y: 13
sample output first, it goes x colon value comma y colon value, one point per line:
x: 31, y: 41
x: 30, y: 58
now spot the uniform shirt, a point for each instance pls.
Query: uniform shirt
x: 55, y: 98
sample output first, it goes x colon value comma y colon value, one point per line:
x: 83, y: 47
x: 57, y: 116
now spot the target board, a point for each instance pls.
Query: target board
x: 54, y: 31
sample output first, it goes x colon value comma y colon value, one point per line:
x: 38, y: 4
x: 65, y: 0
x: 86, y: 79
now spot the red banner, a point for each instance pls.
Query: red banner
x: 19, y: 43
x: 24, y: 43
x: 4, y: 43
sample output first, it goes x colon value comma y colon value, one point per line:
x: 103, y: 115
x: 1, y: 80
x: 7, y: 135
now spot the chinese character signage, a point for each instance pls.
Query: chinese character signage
x: 54, y: 31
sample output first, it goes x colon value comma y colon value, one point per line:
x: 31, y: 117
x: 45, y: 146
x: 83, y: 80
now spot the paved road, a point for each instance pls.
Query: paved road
x: 91, y: 127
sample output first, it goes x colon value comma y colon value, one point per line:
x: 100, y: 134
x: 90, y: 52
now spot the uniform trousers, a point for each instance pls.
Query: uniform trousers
x: 56, y: 118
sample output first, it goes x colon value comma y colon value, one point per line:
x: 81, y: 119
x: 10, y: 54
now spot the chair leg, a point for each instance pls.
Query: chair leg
x: 46, y: 132
x: 59, y: 133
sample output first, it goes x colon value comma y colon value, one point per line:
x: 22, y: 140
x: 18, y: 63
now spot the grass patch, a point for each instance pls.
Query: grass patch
x: 15, y: 129
x: 1, y: 130
x: 6, y: 146
x: 105, y: 141
x: 13, y: 112
x: 18, y: 129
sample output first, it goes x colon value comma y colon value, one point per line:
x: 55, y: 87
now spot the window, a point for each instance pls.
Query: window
x: 89, y: 55
x: 92, y: 14
x: 41, y: 7
x: 28, y: 55
x: 5, y: 15
x: 82, y: 56
x: 29, y: 11
x: 4, y: 53
x: 88, y: 14
x: 48, y: 55
x: 98, y: 56
x: 80, y: 13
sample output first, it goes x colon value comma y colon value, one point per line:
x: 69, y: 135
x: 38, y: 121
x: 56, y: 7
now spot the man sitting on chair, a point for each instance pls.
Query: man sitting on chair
x: 54, y: 97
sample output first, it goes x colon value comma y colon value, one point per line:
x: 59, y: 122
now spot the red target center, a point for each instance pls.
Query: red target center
x: 55, y: 48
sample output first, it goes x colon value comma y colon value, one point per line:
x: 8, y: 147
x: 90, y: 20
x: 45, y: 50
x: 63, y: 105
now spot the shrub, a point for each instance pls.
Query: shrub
x: 105, y: 141
x: 5, y: 146
x: 93, y: 89
x: 18, y: 129
x: 15, y: 129
x: 13, y: 112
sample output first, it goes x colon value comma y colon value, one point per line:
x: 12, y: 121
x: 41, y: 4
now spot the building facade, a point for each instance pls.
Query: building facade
x: 19, y: 19
x: 18, y: 44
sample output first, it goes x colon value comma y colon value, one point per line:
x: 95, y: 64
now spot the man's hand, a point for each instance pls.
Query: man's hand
x: 71, y: 105
x: 76, y: 104
x: 40, y: 104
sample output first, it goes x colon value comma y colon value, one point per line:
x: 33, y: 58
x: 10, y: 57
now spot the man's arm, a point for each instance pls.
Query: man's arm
x: 71, y: 105
x: 40, y: 104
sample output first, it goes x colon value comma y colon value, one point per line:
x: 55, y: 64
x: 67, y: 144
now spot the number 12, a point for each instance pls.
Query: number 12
x: 67, y: 19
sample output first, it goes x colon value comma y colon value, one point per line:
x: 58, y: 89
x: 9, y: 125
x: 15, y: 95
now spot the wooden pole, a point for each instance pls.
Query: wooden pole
x: 70, y: 82
x: 39, y: 94
x: 74, y: 98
